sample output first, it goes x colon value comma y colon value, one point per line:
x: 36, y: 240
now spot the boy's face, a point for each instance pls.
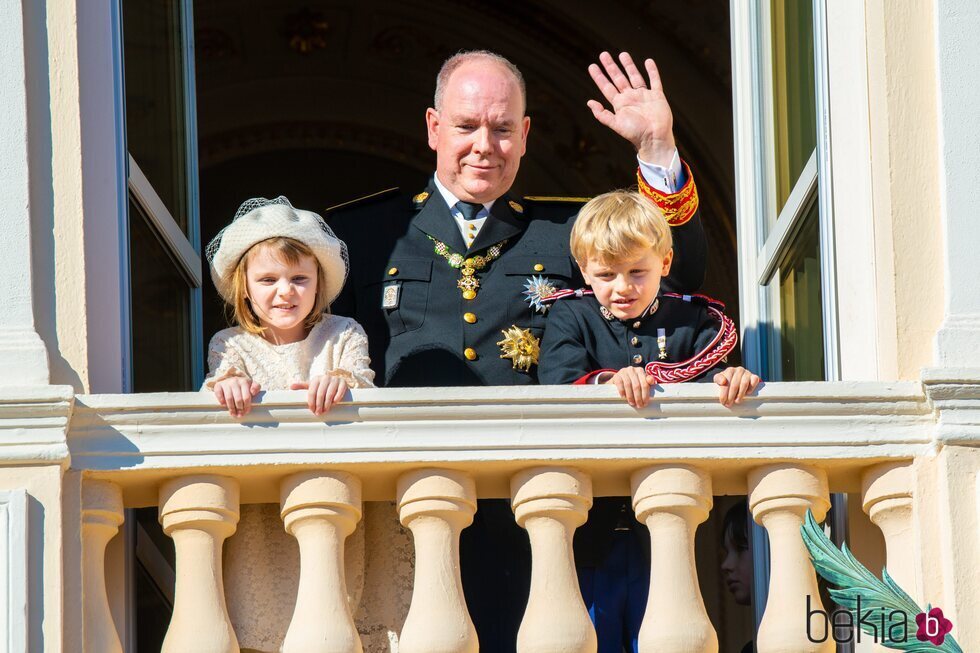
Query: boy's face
x: 629, y: 286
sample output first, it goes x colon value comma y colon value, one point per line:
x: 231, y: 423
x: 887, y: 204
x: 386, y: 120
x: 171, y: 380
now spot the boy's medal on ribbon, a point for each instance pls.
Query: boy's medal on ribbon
x: 662, y: 343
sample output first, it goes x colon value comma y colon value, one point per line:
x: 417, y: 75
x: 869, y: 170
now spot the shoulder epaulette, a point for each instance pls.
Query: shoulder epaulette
x: 373, y: 197
x: 556, y: 199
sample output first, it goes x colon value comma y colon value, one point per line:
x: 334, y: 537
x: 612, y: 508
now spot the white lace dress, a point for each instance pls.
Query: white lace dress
x: 336, y: 346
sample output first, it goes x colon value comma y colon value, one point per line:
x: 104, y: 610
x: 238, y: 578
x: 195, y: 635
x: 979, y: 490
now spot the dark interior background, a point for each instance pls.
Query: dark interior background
x: 324, y: 101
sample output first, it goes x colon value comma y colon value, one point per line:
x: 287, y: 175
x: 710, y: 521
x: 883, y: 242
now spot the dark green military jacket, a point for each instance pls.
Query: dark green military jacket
x: 421, y: 330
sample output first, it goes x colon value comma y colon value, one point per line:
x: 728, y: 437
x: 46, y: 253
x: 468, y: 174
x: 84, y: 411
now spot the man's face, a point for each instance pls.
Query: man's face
x: 480, y: 133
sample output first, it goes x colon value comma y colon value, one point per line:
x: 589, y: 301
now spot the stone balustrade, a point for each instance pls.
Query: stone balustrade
x: 321, y: 508
x: 545, y: 449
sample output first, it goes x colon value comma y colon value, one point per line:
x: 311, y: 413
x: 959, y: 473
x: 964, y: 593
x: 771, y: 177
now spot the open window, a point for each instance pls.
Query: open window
x: 165, y: 268
x: 785, y: 220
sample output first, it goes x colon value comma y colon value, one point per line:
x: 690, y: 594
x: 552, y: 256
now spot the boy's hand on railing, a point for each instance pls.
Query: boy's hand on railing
x: 734, y: 384
x: 323, y: 392
x: 633, y: 384
x: 235, y: 393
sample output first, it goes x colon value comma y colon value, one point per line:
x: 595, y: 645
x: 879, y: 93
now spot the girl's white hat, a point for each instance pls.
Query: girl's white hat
x: 260, y: 219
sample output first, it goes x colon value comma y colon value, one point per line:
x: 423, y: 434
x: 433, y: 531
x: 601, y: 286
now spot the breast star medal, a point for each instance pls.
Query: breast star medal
x: 537, y: 289
x: 521, y: 347
x: 468, y: 283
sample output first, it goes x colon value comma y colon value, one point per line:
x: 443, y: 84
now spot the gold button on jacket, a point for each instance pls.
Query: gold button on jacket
x: 469, y: 317
x: 470, y: 354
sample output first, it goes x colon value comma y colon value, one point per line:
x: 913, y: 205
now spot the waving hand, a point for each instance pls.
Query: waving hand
x: 640, y: 112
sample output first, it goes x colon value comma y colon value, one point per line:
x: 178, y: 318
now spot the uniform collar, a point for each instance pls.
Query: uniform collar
x: 650, y: 310
x: 503, y: 222
x: 451, y: 199
x: 435, y: 218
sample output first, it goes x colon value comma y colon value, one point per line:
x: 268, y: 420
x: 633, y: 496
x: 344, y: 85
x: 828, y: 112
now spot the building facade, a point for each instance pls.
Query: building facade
x: 844, y: 196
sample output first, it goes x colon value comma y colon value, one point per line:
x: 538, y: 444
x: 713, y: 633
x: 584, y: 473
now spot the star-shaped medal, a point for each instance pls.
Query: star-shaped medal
x: 537, y: 289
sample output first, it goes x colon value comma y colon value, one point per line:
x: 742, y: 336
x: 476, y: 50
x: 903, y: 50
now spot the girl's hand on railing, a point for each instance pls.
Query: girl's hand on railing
x: 322, y: 392
x: 235, y: 393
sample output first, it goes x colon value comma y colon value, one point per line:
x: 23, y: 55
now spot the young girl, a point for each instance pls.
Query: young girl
x: 278, y: 268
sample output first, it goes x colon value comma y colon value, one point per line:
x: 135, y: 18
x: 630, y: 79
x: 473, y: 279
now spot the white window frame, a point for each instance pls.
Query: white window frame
x: 760, y: 250
x: 183, y: 248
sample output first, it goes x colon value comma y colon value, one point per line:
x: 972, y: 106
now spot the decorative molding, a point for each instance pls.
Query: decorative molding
x: 955, y: 394
x: 306, y: 31
x: 498, y: 430
x: 33, y: 425
x: 13, y: 570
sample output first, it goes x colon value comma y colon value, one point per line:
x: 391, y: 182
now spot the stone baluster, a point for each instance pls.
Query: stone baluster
x: 102, y: 513
x: 320, y: 509
x: 779, y: 496
x: 436, y: 505
x: 672, y: 500
x: 550, y: 503
x: 199, y: 513
x: 887, y: 492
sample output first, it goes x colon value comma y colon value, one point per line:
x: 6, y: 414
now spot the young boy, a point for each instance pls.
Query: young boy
x: 626, y: 332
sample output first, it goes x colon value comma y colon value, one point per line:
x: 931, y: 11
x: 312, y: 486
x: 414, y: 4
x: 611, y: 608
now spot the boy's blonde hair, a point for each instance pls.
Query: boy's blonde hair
x: 288, y: 251
x: 617, y: 226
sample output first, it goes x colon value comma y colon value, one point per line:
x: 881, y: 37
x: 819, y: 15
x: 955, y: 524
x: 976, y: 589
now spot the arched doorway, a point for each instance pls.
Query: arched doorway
x: 324, y: 101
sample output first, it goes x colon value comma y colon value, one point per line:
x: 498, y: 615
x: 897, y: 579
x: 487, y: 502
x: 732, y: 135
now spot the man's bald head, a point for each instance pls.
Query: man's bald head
x: 459, y: 59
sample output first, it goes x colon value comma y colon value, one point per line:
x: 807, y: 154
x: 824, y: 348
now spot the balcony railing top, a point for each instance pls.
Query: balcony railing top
x: 491, y: 432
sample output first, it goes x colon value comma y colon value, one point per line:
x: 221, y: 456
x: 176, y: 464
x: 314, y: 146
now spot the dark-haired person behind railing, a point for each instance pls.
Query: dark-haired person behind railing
x: 448, y: 280
x: 736, y: 562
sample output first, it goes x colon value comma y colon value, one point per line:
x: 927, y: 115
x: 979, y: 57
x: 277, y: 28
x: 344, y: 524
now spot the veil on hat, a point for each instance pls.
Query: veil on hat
x: 329, y: 249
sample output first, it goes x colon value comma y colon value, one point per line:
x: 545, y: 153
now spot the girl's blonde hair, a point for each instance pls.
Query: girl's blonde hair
x: 289, y: 251
x: 615, y: 226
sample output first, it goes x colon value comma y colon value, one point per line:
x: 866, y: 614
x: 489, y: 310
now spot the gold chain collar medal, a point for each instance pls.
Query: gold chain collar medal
x: 468, y: 283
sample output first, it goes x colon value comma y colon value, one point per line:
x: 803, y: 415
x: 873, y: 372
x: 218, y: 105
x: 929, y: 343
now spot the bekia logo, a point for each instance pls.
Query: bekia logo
x: 876, y: 607
x: 883, y: 627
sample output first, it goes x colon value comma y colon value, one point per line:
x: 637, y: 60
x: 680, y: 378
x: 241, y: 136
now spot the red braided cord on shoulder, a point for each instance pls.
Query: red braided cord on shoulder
x: 719, y: 347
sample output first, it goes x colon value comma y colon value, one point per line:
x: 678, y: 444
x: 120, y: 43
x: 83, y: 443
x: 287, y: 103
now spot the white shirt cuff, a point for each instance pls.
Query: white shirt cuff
x: 667, y: 180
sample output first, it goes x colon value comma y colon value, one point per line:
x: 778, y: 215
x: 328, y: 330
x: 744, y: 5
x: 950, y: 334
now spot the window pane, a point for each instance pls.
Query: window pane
x: 155, y: 127
x: 793, y: 87
x: 160, y: 312
x: 800, y: 306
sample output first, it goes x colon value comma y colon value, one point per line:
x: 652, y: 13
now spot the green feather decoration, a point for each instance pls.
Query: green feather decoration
x: 859, y: 587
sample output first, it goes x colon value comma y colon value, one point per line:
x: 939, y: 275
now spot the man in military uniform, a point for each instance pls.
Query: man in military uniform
x: 447, y: 281
x: 437, y: 275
